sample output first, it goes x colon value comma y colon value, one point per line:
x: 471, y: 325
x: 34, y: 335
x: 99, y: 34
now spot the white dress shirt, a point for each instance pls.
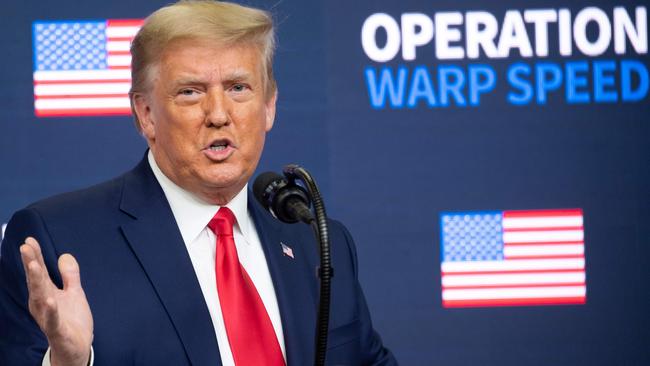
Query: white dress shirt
x: 192, y: 217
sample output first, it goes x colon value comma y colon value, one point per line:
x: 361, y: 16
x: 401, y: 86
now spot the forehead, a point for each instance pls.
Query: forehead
x: 209, y: 59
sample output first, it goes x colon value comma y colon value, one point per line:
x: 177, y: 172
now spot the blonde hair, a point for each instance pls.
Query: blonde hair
x: 221, y: 22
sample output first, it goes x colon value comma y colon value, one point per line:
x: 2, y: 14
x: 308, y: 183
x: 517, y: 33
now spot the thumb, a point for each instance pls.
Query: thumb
x: 69, y: 270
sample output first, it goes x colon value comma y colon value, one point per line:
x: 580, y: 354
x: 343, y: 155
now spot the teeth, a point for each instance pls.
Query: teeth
x: 218, y: 147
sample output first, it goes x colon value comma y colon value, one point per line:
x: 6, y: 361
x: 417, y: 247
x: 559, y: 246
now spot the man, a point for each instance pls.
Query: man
x: 172, y: 263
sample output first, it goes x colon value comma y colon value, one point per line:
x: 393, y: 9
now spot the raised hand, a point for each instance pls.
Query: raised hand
x: 63, y: 315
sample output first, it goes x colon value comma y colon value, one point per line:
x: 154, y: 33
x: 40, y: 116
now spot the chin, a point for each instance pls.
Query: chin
x: 223, y: 180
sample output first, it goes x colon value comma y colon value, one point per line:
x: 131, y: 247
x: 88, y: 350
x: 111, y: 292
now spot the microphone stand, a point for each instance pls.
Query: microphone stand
x: 325, y: 271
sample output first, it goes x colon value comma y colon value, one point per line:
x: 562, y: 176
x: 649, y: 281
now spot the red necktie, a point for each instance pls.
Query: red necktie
x: 248, y: 326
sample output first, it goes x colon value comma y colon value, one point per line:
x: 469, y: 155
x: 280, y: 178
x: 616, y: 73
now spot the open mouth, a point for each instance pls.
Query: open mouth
x: 219, y: 149
x: 219, y: 145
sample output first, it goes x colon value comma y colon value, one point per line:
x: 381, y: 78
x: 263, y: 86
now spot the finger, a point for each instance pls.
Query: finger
x: 27, y: 256
x: 37, y: 284
x: 69, y: 269
x: 33, y: 243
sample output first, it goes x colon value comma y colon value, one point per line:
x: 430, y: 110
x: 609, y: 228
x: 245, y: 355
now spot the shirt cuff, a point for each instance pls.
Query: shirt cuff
x: 46, y: 358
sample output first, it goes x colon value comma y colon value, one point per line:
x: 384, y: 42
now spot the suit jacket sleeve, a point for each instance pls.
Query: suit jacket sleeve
x: 373, y: 351
x: 21, y: 340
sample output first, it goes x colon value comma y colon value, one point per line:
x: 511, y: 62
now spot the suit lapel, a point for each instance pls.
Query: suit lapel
x: 156, y: 241
x: 294, y: 283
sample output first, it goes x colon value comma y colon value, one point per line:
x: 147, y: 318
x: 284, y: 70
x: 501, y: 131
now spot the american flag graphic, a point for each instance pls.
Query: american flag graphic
x: 511, y: 258
x: 83, y: 67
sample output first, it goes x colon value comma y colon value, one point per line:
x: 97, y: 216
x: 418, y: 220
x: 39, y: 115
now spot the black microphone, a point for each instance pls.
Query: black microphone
x: 287, y: 201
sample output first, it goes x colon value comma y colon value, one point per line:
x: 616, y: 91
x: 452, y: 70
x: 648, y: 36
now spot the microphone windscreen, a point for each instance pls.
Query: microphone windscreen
x: 262, y: 184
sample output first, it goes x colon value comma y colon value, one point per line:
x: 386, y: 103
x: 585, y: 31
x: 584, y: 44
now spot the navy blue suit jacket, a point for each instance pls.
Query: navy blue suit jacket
x: 147, y: 305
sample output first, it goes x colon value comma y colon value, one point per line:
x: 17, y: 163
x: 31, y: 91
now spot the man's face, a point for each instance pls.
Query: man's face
x: 206, y: 115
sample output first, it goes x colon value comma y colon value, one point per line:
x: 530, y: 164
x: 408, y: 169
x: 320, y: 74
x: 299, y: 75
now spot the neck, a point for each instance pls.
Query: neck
x: 219, y: 196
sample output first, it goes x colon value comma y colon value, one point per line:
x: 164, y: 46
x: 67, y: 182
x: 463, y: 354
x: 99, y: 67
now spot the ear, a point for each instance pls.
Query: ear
x: 270, y: 110
x: 141, y: 108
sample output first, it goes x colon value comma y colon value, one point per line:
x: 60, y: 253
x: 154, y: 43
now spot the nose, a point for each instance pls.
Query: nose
x: 216, y: 109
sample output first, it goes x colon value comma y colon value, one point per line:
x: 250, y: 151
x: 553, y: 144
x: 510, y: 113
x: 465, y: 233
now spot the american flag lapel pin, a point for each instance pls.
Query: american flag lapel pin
x: 286, y: 250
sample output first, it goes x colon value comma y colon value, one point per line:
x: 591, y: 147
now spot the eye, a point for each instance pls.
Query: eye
x: 239, y: 87
x: 188, y: 95
x: 187, y: 92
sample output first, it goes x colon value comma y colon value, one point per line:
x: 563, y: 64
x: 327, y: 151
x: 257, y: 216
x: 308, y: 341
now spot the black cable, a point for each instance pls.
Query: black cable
x: 325, y: 271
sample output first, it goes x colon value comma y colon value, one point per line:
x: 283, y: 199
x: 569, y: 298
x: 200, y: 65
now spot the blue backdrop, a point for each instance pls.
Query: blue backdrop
x: 389, y: 167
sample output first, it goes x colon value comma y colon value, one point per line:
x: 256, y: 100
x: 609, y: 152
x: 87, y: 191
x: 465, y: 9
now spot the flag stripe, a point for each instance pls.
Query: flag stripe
x: 542, y: 250
x: 514, y: 302
x: 510, y: 279
x: 514, y: 292
x: 88, y: 96
x: 567, y: 256
x: 121, y: 32
x: 542, y: 213
x: 511, y: 272
x: 81, y: 82
x: 529, y: 285
x: 119, y: 39
x: 93, y: 89
x: 82, y: 75
x: 118, y: 46
x: 537, y: 264
x: 83, y: 112
x: 542, y: 229
x: 125, y: 22
x: 82, y: 103
x: 541, y: 222
x: 119, y: 52
x: 546, y: 243
x: 118, y: 60
x: 545, y: 236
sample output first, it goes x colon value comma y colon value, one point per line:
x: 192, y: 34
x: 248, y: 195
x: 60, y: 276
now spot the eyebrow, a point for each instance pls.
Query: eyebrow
x: 184, y: 80
x: 235, y: 76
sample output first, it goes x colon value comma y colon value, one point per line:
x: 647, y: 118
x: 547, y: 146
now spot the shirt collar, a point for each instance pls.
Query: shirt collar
x: 192, y: 214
